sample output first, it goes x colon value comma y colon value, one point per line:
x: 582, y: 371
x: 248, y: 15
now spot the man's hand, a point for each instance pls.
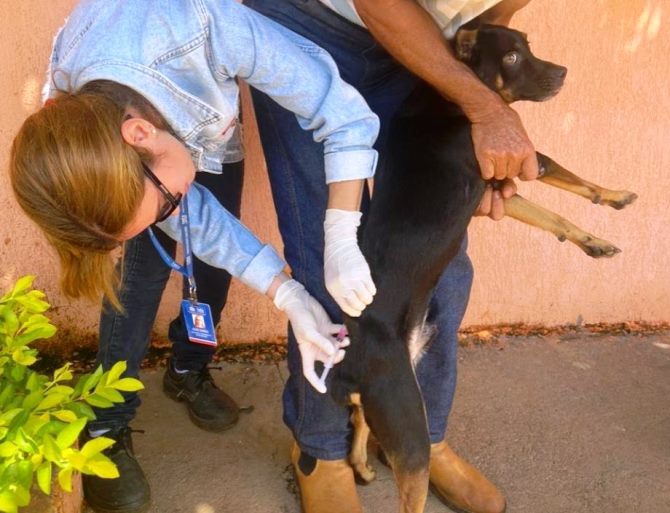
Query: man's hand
x: 493, y: 201
x: 502, y: 147
x: 410, y: 35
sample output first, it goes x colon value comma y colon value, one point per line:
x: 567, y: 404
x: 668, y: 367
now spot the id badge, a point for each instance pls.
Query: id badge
x: 198, y: 321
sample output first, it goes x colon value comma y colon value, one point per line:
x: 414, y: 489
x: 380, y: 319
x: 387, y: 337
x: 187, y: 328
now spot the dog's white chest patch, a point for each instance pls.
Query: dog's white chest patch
x: 417, y: 340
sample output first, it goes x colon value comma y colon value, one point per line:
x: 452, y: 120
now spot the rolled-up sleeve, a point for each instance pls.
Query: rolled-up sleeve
x: 220, y: 240
x: 301, y: 77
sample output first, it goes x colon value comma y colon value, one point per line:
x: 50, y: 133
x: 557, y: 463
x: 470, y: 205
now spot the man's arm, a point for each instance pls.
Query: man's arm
x: 408, y: 32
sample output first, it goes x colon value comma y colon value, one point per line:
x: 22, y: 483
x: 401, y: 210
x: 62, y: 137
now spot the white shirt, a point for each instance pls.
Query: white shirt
x: 448, y: 14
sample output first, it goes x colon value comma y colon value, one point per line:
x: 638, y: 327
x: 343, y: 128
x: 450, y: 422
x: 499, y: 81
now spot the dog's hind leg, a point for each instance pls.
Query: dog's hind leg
x: 358, y: 457
x: 395, y: 412
x: 556, y: 175
x: 535, y: 215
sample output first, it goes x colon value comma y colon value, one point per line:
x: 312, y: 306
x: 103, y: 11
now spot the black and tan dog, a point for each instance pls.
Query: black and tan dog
x: 427, y: 189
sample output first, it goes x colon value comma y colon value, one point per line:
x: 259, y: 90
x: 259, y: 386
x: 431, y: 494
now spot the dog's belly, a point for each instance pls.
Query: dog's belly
x: 426, y: 191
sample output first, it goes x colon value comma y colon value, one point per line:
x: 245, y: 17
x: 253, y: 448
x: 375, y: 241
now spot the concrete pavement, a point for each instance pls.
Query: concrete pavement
x: 577, y: 425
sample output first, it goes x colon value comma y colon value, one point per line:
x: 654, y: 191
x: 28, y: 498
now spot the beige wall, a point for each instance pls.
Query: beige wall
x: 610, y: 124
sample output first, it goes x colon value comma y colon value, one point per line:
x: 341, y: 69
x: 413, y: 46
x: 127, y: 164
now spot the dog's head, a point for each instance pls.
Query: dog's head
x: 502, y: 59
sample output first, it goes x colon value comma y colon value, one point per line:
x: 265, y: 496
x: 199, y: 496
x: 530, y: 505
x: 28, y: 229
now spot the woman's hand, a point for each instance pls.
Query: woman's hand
x: 313, y: 330
x: 346, y: 272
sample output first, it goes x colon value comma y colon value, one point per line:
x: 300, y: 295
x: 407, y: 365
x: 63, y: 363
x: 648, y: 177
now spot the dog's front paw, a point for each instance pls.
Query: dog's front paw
x: 617, y: 199
x: 597, y: 248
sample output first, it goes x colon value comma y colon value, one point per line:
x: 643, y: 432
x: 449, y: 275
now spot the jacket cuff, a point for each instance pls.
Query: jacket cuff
x: 350, y: 165
x: 262, y: 269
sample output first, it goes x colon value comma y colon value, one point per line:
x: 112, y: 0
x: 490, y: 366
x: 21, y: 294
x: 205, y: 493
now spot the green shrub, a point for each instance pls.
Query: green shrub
x: 41, y: 417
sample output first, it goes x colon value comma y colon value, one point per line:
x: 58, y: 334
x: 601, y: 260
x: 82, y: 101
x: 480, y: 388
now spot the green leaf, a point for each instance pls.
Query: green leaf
x: 22, y: 490
x: 98, y: 401
x: 81, y: 410
x: 17, y: 372
x: 115, y: 372
x: 44, y: 477
x: 8, y: 449
x: 65, y: 479
x: 23, y: 357
x: 36, y: 333
x: 22, y: 285
x: 37, y: 294
x: 14, y: 402
x: 102, y: 466
x: 49, y: 426
x: 7, y: 416
x: 34, y: 424
x: 34, y: 319
x: 25, y: 474
x: 70, y: 433
x: 7, y: 393
x: 61, y: 389
x: 76, y: 459
x: 25, y: 442
x: 34, y: 382
x: 50, y: 401
x: 128, y: 385
x: 50, y: 449
x: 8, y: 502
x: 19, y: 420
x: 110, y: 394
x: 33, y: 302
x: 32, y: 400
x: 65, y: 415
x: 22, y: 496
x: 36, y: 459
x: 11, y: 322
x: 92, y: 380
x: 32, y: 305
x: 96, y: 445
x: 9, y: 473
x: 63, y: 374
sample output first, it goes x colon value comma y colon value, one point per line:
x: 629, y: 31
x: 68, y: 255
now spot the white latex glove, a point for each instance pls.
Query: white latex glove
x: 313, y: 330
x: 346, y: 272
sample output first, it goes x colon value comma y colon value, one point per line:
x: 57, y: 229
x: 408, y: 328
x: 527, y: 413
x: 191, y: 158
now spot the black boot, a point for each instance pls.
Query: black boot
x: 128, y: 493
x: 209, y: 407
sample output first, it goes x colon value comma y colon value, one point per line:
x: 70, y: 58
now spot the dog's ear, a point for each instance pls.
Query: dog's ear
x: 465, y: 42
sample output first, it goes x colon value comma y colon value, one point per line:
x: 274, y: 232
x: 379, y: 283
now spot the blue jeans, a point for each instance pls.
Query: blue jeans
x: 126, y: 336
x: 295, y: 165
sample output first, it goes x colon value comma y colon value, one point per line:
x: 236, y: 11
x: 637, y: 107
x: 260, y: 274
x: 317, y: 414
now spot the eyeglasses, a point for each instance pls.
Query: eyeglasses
x: 172, y: 201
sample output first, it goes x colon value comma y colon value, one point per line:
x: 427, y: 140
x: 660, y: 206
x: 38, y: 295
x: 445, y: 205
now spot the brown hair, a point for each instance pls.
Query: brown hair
x: 75, y: 176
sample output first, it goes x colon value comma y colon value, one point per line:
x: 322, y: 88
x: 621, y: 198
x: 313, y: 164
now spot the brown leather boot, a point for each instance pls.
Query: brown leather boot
x: 325, y: 486
x: 461, y: 486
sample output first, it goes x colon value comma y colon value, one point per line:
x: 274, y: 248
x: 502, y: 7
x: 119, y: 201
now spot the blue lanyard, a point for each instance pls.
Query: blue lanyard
x: 187, y: 268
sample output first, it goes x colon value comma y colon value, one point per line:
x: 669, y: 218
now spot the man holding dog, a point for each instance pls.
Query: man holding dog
x: 380, y: 46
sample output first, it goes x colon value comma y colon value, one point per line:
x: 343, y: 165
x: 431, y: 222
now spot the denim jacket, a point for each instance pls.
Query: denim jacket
x: 220, y: 240
x: 184, y: 56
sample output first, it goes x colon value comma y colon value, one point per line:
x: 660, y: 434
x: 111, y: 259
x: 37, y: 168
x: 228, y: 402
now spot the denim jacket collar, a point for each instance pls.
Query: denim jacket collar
x: 197, y: 124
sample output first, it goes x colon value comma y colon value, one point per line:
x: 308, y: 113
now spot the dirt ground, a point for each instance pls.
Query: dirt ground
x: 561, y: 423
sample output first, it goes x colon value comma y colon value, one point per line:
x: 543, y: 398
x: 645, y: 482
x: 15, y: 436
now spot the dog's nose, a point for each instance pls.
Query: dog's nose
x: 561, y: 71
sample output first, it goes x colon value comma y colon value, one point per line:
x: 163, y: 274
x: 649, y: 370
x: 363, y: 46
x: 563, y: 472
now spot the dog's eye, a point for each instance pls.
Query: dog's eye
x: 511, y: 58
